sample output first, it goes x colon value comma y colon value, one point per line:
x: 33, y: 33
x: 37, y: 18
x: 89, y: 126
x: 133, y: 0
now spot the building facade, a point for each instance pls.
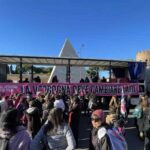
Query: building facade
x: 143, y: 56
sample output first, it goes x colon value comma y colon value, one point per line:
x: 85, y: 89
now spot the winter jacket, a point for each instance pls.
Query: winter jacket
x: 99, y: 144
x: 18, y: 141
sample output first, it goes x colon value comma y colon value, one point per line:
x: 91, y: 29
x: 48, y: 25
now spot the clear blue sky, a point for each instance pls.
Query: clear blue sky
x: 110, y: 29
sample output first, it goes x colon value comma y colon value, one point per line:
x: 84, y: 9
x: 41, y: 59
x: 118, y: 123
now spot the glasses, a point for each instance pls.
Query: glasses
x: 95, y: 119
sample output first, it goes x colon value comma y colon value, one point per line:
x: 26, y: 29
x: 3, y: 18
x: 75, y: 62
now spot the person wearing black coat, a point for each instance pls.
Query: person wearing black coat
x: 74, y: 117
x: 99, y: 139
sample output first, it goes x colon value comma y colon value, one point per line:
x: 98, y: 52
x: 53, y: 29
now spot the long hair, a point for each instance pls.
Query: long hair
x: 55, y: 119
x: 34, y: 123
x: 144, y: 101
x: 9, y: 120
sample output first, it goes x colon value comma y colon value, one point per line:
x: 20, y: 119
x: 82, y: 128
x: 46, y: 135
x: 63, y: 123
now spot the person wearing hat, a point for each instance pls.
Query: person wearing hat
x: 99, y: 139
x: 59, y: 103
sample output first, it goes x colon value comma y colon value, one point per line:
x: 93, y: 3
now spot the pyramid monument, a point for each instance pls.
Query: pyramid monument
x: 76, y: 73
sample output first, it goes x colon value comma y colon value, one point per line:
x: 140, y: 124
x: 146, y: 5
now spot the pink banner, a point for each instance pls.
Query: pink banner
x: 100, y: 89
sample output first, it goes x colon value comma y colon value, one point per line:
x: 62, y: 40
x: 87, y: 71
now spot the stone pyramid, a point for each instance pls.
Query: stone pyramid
x: 60, y: 71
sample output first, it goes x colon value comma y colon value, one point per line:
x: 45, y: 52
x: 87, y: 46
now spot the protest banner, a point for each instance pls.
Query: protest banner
x: 100, y: 89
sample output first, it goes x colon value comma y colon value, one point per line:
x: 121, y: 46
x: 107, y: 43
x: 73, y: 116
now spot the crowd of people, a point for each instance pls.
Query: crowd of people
x: 51, y: 121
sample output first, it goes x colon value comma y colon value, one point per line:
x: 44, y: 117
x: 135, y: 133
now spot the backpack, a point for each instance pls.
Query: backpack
x: 137, y: 112
x: 117, y: 140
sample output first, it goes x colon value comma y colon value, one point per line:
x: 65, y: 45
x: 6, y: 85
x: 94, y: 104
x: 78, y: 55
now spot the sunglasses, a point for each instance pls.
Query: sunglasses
x: 95, y: 119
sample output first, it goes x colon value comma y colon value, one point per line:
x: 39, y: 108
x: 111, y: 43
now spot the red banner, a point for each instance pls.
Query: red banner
x: 100, y: 89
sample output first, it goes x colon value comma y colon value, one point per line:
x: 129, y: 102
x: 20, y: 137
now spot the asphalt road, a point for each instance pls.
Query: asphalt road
x: 131, y: 134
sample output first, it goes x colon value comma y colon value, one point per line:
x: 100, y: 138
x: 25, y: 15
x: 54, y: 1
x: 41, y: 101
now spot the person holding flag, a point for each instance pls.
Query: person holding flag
x: 123, y: 110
